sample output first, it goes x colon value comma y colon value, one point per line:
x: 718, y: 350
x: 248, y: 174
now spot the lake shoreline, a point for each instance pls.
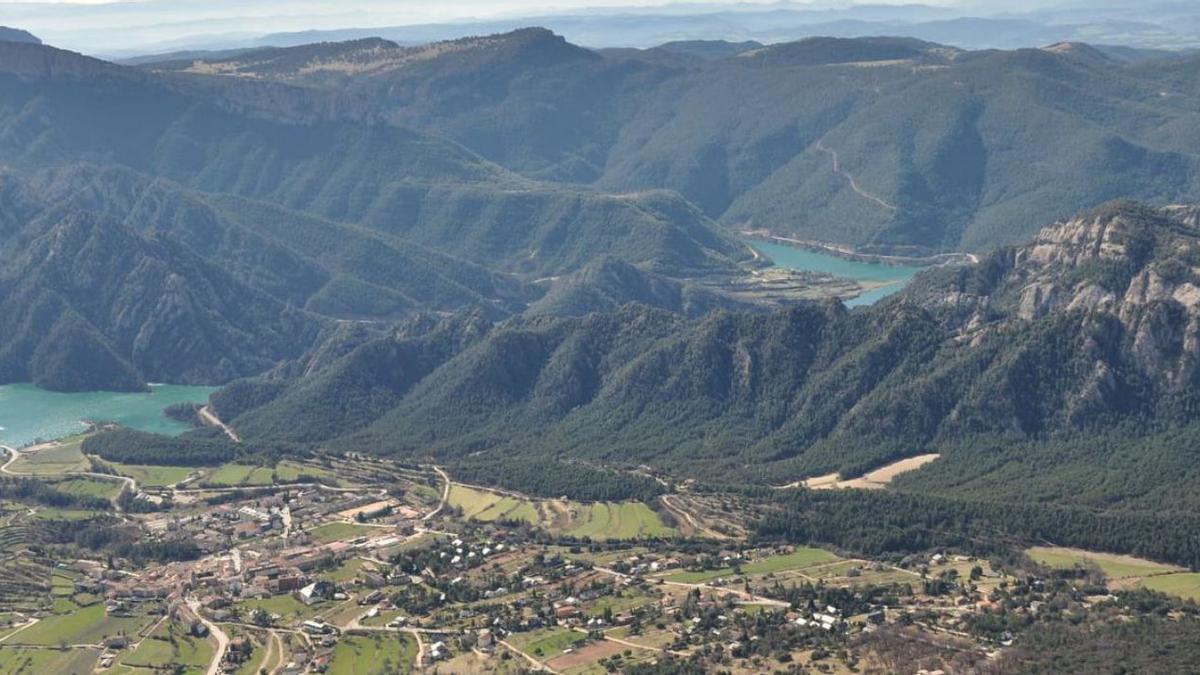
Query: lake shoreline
x: 849, y: 253
x: 30, y: 415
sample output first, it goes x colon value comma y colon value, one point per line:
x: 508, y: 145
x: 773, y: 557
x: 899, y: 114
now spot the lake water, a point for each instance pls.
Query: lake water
x: 801, y: 259
x: 28, y: 413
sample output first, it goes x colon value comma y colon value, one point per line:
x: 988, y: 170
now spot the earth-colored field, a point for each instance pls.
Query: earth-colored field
x: 547, y: 644
x: 799, y: 559
x: 373, y: 655
x: 52, y: 459
x: 607, y: 520
x: 584, y: 659
x: 1114, y: 566
x: 873, y: 480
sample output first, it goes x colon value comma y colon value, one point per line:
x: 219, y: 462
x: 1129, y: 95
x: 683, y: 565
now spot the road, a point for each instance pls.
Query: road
x: 214, y: 668
x: 537, y: 665
x: 14, y: 455
x: 445, y: 494
x: 853, y: 183
x: 747, y: 598
x: 681, y: 513
x: 210, y: 418
x: 635, y: 645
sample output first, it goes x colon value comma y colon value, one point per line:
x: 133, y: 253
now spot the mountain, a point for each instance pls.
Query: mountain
x: 1088, y: 332
x: 398, y: 182
x: 1016, y: 137
x: 92, y: 305
x: 17, y: 35
x: 263, y: 192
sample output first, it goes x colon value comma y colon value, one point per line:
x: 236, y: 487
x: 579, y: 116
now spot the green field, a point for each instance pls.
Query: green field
x: 87, y: 625
x: 154, y: 476
x: 54, y: 461
x: 286, y: 606
x: 345, y: 572
x: 338, y: 531
x: 51, y: 513
x: 90, y: 487
x: 626, y: 520
x: 373, y: 655
x: 171, y: 646
x: 1114, y: 566
x: 236, y: 475
x: 16, y: 661
x: 1184, y: 584
x: 799, y: 559
x: 547, y: 644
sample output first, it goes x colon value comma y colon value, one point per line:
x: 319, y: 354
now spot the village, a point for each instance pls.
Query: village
x: 356, y: 565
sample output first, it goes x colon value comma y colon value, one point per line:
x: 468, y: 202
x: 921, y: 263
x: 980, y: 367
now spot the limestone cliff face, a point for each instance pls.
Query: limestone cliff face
x: 1127, y: 262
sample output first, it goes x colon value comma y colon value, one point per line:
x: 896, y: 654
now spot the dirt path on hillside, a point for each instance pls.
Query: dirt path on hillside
x: 210, y: 418
x: 837, y: 169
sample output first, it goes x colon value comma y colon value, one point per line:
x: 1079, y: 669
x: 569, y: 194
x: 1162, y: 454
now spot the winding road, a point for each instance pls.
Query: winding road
x: 837, y: 168
x: 214, y: 668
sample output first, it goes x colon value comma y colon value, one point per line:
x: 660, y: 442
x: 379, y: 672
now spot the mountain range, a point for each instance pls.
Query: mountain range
x: 1090, y: 334
x: 319, y: 220
x: 890, y: 145
x: 514, y: 251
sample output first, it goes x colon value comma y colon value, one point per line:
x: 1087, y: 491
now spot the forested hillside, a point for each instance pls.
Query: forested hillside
x: 119, y: 186
x: 1037, y: 351
x: 886, y: 144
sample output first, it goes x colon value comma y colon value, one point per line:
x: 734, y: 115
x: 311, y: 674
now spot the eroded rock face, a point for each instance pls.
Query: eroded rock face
x: 1131, y: 265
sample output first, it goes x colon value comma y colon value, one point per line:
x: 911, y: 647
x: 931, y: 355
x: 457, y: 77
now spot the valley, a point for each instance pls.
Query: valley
x: 362, y: 565
x: 503, y: 354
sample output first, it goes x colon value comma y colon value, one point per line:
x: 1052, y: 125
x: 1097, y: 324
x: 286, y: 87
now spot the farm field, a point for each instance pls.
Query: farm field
x: 801, y: 558
x: 606, y: 520
x: 585, y: 660
x: 38, y: 661
x: 1114, y: 566
x: 546, y: 644
x: 626, y: 520
x: 1183, y: 584
x: 171, y: 646
x: 285, y: 606
x: 373, y: 655
x: 52, y: 460
x: 90, y: 487
x: 86, y: 625
x: 155, y: 476
x: 249, y: 475
x: 338, y: 531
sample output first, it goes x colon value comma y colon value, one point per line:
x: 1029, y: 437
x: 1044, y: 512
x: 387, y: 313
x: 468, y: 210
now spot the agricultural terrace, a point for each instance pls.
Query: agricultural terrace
x: 801, y: 559
x: 603, y: 520
x: 51, y: 459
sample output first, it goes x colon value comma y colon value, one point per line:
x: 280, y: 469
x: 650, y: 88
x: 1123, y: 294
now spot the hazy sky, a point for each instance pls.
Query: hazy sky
x: 99, y: 26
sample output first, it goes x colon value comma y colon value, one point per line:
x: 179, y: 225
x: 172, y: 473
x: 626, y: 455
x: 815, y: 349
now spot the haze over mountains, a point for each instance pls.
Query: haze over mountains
x: 131, y: 29
x: 890, y: 145
x: 433, y: 250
